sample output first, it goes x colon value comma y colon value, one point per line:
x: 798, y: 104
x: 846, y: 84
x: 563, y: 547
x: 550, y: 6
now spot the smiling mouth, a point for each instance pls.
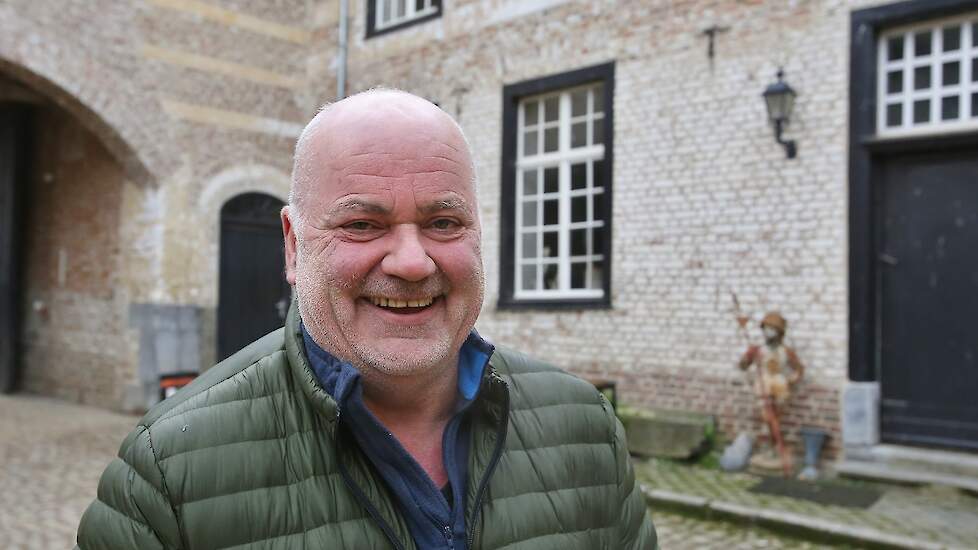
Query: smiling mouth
x: 402, y: 306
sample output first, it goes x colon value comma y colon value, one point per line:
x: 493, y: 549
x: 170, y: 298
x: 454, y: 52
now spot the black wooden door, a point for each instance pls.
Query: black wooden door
x: 254, y: 296
x: 14, y: 158
x: 928, y: 266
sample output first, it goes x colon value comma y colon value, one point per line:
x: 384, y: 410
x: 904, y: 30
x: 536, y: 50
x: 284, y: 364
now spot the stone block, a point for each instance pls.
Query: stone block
x: 860, y: 414
x: 665, y: 433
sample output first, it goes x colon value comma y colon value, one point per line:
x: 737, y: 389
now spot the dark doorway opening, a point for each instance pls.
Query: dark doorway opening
x: 15, y: 148
x: 253, y: 296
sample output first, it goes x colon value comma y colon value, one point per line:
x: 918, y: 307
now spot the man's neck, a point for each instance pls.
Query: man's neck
x: 426, y: 399
x: 416, y: 411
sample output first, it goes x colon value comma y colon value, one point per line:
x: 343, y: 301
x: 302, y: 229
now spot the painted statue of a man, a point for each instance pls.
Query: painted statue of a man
x: 778, y: 367
x: 778, y: 370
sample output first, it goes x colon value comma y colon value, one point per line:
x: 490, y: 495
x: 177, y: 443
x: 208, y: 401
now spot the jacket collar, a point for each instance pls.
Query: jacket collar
x: 479, y: 381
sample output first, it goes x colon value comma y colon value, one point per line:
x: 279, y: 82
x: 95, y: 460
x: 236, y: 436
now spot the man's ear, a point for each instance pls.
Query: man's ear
x: 288, y: 231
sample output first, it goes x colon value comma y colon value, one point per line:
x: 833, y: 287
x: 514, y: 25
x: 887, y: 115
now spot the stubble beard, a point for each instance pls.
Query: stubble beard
x: 328, y: 314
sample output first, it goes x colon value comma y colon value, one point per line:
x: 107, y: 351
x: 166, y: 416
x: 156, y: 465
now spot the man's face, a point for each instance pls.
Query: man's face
x: 387, y: 261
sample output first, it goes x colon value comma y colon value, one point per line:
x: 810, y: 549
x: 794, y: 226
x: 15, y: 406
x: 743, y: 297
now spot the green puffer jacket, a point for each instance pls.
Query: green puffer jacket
x: 253, y: 455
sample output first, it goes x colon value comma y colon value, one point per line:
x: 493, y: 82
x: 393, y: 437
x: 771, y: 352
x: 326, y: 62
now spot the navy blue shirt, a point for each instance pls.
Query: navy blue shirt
x: 434, y: 522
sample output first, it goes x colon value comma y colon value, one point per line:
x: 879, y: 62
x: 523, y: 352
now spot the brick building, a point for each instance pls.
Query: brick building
x: 629, y: 180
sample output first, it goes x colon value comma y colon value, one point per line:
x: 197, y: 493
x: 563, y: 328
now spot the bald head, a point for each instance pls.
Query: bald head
x: 389, y: 122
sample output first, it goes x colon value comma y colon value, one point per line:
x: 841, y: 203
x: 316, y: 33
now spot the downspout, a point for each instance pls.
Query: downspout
x: 341, y: 71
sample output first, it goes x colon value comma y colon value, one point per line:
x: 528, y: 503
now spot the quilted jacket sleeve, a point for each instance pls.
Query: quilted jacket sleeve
x: 132, y: 509
x: 637, y: 530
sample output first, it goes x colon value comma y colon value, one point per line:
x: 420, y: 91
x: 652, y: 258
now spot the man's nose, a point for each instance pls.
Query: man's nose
x: 407, y: 259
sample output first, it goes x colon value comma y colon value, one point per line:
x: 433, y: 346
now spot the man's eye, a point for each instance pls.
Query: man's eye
x: 359, y: 226
x: 444, y: 223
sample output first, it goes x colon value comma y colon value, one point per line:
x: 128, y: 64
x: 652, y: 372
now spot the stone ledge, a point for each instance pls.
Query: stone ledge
x: 786, y: 522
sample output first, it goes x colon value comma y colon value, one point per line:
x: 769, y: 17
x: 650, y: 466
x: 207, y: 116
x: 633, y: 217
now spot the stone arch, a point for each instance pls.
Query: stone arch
x: 222, y: 187
x: 216, y: 191
x: 76, y: 80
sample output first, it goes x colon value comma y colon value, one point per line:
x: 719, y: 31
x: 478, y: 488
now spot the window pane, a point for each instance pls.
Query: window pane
x: 550, y: 277
x: 529, y: 245
x: 598, y: 131
x: 550, y: 244
x: 529, y: 275
x: 530, y: 143
x: 598, y: 174
x: 530, y: 182
x: 579, y: 134
x: 550, y: 212
x: 894, y: 48
x: 894, y: 82
x: 531, y: 113
x: 597, y: 240
x: 921, y: 78
x: 951, y: 73
x: 921, y: 111
x: 921, y: 44
x: 578, y: 238
x: 550, y: 143
x: 578, y: 176
x: 949, y: 108
x: 598, y: 206
x: 894, y: 114
x: 579, y: 103
x: 597, y: 277
x: 579, y: 209
x: 952, y: 38
x: 419, y: 5
x: 550, y: 184
x: 578, y: 272
x: 550, y: 107
x: 401, y: 8
x: 974, y: 105
x: 974, y: 69
x: 530, y: 214
x: 598, y: 95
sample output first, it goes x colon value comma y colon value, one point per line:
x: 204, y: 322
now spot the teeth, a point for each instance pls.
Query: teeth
x: 389, y: 302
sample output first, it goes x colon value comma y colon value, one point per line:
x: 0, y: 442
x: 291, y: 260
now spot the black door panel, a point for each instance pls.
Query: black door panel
x: 928, y: 265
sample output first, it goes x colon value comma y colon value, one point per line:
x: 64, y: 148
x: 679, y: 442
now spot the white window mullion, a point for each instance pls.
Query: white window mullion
x: 966, y: 86
x: 563, y: 185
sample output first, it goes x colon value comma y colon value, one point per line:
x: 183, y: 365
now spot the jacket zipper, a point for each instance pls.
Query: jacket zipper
x: 484, y: 483
x: 371, y: 509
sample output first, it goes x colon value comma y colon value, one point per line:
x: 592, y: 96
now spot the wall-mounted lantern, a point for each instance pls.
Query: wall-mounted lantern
x: 780, y: 99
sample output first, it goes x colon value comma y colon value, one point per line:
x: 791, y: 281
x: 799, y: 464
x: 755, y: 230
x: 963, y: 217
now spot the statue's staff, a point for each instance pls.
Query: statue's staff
x: 766, y: 400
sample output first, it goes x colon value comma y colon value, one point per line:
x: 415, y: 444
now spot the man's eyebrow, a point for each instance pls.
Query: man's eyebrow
x: 357, y: 205
x: 452, y: 203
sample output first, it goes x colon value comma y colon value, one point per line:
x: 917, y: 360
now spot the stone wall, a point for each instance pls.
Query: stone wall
x: 75, y: 299
x: 196, y: 102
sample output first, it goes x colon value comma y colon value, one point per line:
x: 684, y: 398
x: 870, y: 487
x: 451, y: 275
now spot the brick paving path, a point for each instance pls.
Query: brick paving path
x: 52, y: 453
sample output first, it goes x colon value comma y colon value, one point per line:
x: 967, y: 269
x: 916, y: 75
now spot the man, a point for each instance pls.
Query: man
x: 377, y: 418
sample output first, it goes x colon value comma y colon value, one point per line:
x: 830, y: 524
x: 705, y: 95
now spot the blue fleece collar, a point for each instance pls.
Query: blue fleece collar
x: 341, y: 380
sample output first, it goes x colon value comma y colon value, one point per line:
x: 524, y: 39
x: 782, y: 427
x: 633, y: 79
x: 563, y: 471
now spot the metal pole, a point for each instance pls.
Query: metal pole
x: 341, y: 71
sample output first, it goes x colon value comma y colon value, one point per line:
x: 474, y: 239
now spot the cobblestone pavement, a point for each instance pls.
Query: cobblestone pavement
x: 678, y: 532
x: 51, y: 456
x: 52, y: 453
x: 937, y: 515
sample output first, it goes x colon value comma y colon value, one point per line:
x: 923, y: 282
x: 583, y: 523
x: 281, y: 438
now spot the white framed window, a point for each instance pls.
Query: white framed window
x: 386, y: 15
x: 560, y: 214
x: 927, y: 78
